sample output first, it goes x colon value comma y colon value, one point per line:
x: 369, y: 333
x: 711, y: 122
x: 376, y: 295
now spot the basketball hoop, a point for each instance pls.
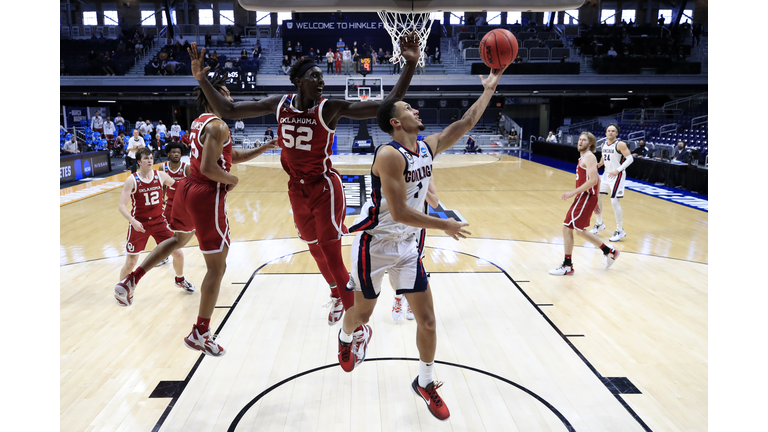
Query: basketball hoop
x: 364, y: 97
x: 401, y: 24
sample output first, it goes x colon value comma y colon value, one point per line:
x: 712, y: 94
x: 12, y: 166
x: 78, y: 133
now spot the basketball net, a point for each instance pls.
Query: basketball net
x: 364, y: 97
x: 401, y: 24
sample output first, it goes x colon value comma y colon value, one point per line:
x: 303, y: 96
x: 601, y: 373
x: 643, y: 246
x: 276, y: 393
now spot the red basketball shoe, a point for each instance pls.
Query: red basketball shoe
x: 434, y: 402
x: 124, y: 290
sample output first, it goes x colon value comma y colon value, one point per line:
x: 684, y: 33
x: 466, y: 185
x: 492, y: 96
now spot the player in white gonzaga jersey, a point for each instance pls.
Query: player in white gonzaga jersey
x: 616, y: 158
x: 388, y: 235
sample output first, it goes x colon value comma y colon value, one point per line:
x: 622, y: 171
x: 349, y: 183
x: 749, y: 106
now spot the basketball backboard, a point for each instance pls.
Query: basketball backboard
x: 406, y: 6
x: 364, y: 88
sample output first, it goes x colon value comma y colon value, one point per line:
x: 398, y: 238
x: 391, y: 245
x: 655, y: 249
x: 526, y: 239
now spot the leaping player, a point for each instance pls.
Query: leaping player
x: 389, y: 228
x: 199, y: 207
x: 616, y: 157
x: 307, y: 126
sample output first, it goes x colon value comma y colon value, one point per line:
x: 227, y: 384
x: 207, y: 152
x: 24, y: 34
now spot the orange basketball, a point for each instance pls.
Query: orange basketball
x: 498, y: 48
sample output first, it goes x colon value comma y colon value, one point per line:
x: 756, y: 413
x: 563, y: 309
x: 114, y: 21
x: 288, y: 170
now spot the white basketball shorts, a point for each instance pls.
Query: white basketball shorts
x: 613, y: 187
x: 400, y: 258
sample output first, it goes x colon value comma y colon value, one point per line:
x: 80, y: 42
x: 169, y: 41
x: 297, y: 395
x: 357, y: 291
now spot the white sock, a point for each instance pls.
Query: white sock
x: 599, y: 218
x: 617, y: 211
x: 425, y: 373
x: 399, y: 296
x: 346, y: 338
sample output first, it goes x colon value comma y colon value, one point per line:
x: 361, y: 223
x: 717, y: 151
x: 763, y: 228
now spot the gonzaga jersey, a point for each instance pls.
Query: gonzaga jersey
x: 196, y: 150
x: 305, y: 139
x: 147, y: 198
x: 375, y: 218
x: 582, y: 176
x: 612, y: 157
x: 177, y: 175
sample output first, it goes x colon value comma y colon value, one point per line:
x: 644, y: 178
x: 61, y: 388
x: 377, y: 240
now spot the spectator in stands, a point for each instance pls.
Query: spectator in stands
x: 171, y: 66
x: 696, y: 32
x: 386, y: 58
x: 228, y: 65
x: 551, y: 138
x: 146, y: 128
x: 154, y: 66
x: 661, y: 20
x: 337, y: 58
x: 347, y: 56
x: 213, y: 63
x: 71, y: 147
x: 229, y: 36
x: 641, y: 149
x: 471, y: 146
x: 437, y: 56
x: 161, y: 127
x: 139, y: 47
x: 175, y: 131
x: 611, y: 52
x: 269, y: 133
x: 186, y: 140
x: 518, y: 59
x: 244, y: 54
x: 109, y: 130
x: 117, y: 146
x: 289, y: 49
x: 286, y: 64
x: 329, y: 62
x: 380, y: 56
x: 512, y: 138
x: 257, y: 49
x: 356, y: 60
x: 134, y: 143
x: 239, y: 125
x: 625, y: 53
x: 681, y: 153
x: 298, y: 50
x: 340, y: 45
x: 501, y: 127
x: 139, y: 123
x: 294, y: 60
x: 119, y: 121
x: 215, y: 55
x: 454, y: 118
x: 97, y: 123
x: 106, y: 64
x: 207, y: 40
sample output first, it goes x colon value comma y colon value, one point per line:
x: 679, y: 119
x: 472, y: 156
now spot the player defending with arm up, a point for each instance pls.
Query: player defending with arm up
x: 388, y: 229
x: 307, y: 128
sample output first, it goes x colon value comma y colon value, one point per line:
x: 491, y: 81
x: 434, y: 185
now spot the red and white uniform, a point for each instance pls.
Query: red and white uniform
x: 315, y: 189
x: 584, y: 204
x: 199, y: 202
x: 147, y: 208
x: 170, y: 191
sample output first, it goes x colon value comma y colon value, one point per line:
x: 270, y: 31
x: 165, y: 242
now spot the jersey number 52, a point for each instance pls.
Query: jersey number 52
x: 302, y: 134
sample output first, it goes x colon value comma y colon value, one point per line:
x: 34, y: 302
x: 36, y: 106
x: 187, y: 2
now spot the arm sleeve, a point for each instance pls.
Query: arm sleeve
x: 626, y: 163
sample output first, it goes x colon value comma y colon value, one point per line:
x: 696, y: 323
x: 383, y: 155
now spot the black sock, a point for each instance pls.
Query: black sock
x: 567, y: 261
x: 606, y: 249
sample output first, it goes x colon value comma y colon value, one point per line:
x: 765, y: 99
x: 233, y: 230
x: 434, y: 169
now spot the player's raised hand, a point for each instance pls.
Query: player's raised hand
x: 491, y: 81
x: 196, y: 57
x: 137, y: 226
x: 456, y: 230
x: 409, y: 47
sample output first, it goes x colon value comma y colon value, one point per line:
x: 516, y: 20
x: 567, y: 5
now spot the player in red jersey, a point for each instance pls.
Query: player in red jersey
x: 307, y: 127
x: 587, y: 186
x: 145, y: 191
x: 199, y: 208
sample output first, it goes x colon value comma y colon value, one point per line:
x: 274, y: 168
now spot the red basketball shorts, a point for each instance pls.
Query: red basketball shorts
x: 318, y: 207
x: 157, y: 228
x: 201, y: 208
x: 579, y: 214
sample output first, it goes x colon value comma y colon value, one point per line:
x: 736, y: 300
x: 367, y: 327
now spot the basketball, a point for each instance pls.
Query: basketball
x: 498, y: 48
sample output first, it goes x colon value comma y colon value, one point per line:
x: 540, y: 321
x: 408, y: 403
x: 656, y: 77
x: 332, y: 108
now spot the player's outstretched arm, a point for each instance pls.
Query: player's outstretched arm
x: 409, y: 49
x: 444, y: 140
x: 165, y: 179
x: 432, y: 198
x: 239, y: 156
x: 622, y: 147
x: 224, y: 106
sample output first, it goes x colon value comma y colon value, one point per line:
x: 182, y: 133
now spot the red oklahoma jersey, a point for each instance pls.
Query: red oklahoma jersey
x: 196, y: 150
x: 582, y: 177
x: 177, y: 175
x: 147, y: 198
x: 305, y: 139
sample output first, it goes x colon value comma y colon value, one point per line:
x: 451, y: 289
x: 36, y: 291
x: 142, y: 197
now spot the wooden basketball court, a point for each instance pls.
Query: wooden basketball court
x: 518, y: 349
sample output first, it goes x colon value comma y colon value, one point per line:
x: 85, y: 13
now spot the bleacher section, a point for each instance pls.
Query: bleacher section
x: 84, y: 57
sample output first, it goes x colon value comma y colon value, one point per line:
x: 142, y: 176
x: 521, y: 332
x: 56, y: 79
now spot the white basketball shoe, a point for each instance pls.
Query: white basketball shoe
x: 598, y: 227
x: 618, y: 235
